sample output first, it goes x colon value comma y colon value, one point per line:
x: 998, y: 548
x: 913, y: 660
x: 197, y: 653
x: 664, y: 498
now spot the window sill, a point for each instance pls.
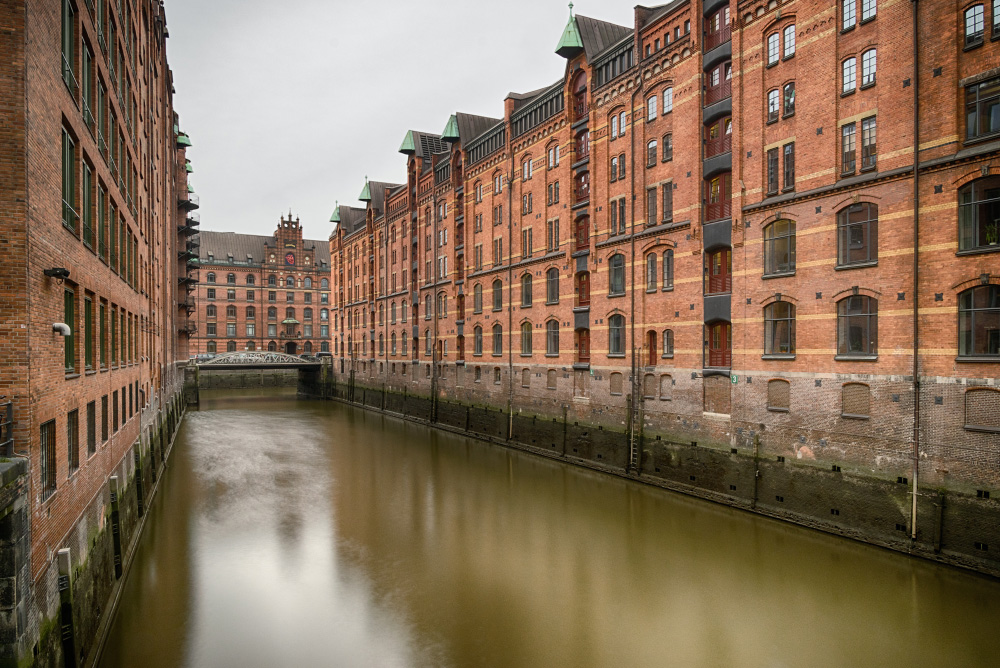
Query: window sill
x: 778, y: 356
x: 847, y: 175
x: 978, y: 251
x: 787, y: 115
x: 497, y: 355
x: 772, y: 64
x: 863, y: 22
x: 552, y: 354
x: 787, y: 189
x: 867, y: 169
x: 72, y: 375
x: 851, y: 416
x: 866, y: 86
x: 551, y: 303
x: 856, y: 265
x: 771, y: 121
x: 856, y: 358
x: 670, y: 159
x: 667, y: 357
x: 979, y: 359
x: 848, y: 92
x: 782, y: 274
x: 615, y: 294
x: 616, y: 355
x: 775, y: 409
x: 650, y: 291
x: 988, y: 430
x: 974, y: 45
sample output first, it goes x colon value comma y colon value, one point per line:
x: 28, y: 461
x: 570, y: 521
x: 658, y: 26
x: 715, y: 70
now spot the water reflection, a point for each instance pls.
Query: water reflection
x: 312, y: 534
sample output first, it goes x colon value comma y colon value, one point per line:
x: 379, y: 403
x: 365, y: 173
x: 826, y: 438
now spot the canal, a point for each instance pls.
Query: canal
x: 297, y: 533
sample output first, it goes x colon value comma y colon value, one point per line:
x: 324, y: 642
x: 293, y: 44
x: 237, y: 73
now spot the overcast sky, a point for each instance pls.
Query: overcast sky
x: 291, y: 104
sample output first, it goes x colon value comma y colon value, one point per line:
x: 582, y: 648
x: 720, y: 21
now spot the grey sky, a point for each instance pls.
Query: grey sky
x: 290, y: 104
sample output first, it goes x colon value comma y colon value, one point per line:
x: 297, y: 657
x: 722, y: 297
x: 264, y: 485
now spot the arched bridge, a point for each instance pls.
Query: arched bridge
x: 261, y: 359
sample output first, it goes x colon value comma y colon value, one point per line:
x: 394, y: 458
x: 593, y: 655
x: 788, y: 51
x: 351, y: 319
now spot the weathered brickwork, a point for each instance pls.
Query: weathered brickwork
x: 734, y: 259
x: 93, y: 170
x: 261, y: 293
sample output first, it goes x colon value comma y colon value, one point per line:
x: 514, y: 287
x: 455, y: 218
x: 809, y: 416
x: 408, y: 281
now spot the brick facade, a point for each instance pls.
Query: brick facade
x: 262, y: 293
x: 783, y: 323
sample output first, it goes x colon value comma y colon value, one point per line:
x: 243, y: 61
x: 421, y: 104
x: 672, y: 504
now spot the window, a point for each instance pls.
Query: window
x: 974, y: 25
x: 250, y: 295
x: 772, y: 171
x: 652, y: 276
x: 616, y: 269
x: 324, y: 284
x: 550, y: 379
x: 982, y: 100
x: 616, y: 335
x: 47, y: 452
x: 849, y: 70
x: 668, y: 343
x: 788, y: 107
x: 621, y: 166
x: 88, y: 333
x: 979, y: 215
x: 69, y: 179
x: 773, y: 105
x: 979, y: 322
x: 789, y: 34
x: 289, y: 281
x: 69, y: 341
x: 867, y: 10
x: 868, y: 68
x: 271, y: 280
x: 251, y: 329
x: 668, y: 100
x: 789, y: 174
x: 848, y: 159
x: 497, y: 339
x: 772, y: 49
x: 778, y: 395
x: 868, y: 146
x: 497, y: 295
x: 552, y: 337
x: 477, y: 299
x: 668, y: 202
x: 230, y: 311
x: 210, y: 293
x: 231, y: 295
x: 617, y: 383
x: 651, y: 207
x: 651, y: 109
x: 651, y: 153
x: 477, y: 340
x: 552, y: 235
x: 779, y: 329
x: 525, y: 338
x: 526, y: 169
x: 850, y: 15
x: 857, y: 234
x: 982, y: 410
x: 668, y: 269
x: 857, y: 326
x: 779, y: 248
x: 73, y: 439
x: 855, y: 401
x: 552, y: 286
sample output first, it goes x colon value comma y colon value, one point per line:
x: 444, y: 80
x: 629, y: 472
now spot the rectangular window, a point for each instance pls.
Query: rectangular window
x: 621, y: 216
x: 789, y: 99
x: 982, y: 103
x: 849, y: 14
x: 92, y: 427
x: 47, y: 454
x: 789, y: 41
x: 104, y: 418
x: 101, y: 336
x: 69, y: 46
x: 868, y: 68
x: 88, y: 206
x: 114, y: 410
x: 847, y: 152
x: 231, y: 329
x: 614, y: 217
x: 668, y: 100
x: 868, y: 145
x: 651, y: 109
x: 526, y: 243
x: 772, y: 106
x: 668, y: 202
x: 789, y: 177
x: 651, y: 206
x: 668, y: 147
x: 69, y: 340
x: 88, y: 333
x: 73, y: 440
x: 70, y: 215
x: 210, y: 329
x: 272, y: 330
x: 772, y: 171
x: 868, y: 8
x: 773, y: 48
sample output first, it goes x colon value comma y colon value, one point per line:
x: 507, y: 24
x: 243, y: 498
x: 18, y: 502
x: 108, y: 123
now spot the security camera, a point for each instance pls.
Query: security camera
x: 61, y: 328
x: 62, y: 273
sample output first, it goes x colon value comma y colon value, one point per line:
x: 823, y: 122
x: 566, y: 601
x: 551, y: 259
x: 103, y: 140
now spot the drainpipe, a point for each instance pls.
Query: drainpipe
x: 916, y: 269
x: 635, y: 369
x: 434, y: 267
x: 510, y: 290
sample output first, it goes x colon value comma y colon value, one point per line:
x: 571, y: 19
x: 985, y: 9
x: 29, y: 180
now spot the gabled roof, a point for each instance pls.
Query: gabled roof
x: 661, y: 10
x: 470, y: 126
x: 223, y: 244
x: 376, y: 191
x: 422, y: 144
x: 352, y: 218
x: 599, y: 35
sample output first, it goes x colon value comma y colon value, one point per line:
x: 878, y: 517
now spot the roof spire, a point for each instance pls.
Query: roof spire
x: 570, y: 43
x: 335, y: 218
x: 365, y: 195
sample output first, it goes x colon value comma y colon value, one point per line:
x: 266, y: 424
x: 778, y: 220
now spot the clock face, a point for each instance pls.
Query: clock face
x: 290, y: 258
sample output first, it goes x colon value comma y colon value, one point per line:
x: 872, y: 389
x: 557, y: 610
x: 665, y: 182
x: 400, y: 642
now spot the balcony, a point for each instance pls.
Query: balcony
x: 188, y: 328
x: 581, y: 108
x: 716, y: 38
x: 718, y: 211
x: 719, y: 93
x: 718, y: 146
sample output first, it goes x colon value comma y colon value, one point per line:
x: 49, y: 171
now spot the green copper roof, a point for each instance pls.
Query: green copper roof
x: 190, y: 188
x: 570, y: 43
x: 408, y: 147
x: 450, y: 133
x: 365, y: 195
x: 188, y: 167
x: 335, y: 218
x: 183, y: 140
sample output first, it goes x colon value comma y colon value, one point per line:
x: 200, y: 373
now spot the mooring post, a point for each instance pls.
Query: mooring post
x: 116, y: 536
x: 66, y: 607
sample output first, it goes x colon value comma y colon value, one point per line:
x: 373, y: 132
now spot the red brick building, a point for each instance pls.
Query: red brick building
x: 95, y: 199
x: 682, y: 241
x: 262, y: 293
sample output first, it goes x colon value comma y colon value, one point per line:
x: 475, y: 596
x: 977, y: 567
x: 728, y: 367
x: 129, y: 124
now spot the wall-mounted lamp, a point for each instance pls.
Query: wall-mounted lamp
x: 61, y: 273
x: 62, y: 329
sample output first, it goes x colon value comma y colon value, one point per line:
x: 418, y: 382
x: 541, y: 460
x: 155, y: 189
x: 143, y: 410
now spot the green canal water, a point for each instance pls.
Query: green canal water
x: 298, y: 533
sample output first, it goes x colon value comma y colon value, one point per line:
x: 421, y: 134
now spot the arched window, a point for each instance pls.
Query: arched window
x: 979, y: 213
x: 979, y: 322
x: 210, y: 347
x: 381, y: 313
x: 392, y: 342
x: 477, y: 298
x: 307, y: 313
x: 392, y: 313
x: 230, y: 346
x: 251, y: 345
x: 616, y: 269
x: 856, y: 399
x: 231, y: 279
x: 651, y: 108
x: 651, y: 151
x: 526, y: 290
x: 272, y: 313
x: 210, y: 278
x: 210, y: 311
x: 324, y: 315
x: 779, y: 395
x: 272, y: 346
x: 324, y: 284
x: 272, y: 280
x: 868, y: 67
x: 779, y: 329
x: 477, y: 340
x: 651, y: 274
x: 857, y: 234
x: 497, y: 295
x: 230, y: 311
x: 307, y: 282
x: 668, y: 100
x: 290, y: 313
x: 525, y: 338
x: 289, y: 281
x: 617, y: 383
x: 666, y: 387
x: 307, y: 347
x: 616, y: 335
x: 552, y: 337
x: 251, y: 312
x: 552, y: 286
x: 668, y: 343
x: 668, y: 269
x: 550, y: 379
x: 402, y: 311
x: 497, y: 339
x: 381, y: 344
x: 251, y: 280
x: 857, y: 326
x: 974, y: 25
x: 580, y: 102
x: 779, y: 248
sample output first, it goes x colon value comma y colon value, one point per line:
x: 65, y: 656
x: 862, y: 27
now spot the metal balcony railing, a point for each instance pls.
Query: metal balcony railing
x: 718, y: 146
x: 722, y: 36
x: 718, y: 93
